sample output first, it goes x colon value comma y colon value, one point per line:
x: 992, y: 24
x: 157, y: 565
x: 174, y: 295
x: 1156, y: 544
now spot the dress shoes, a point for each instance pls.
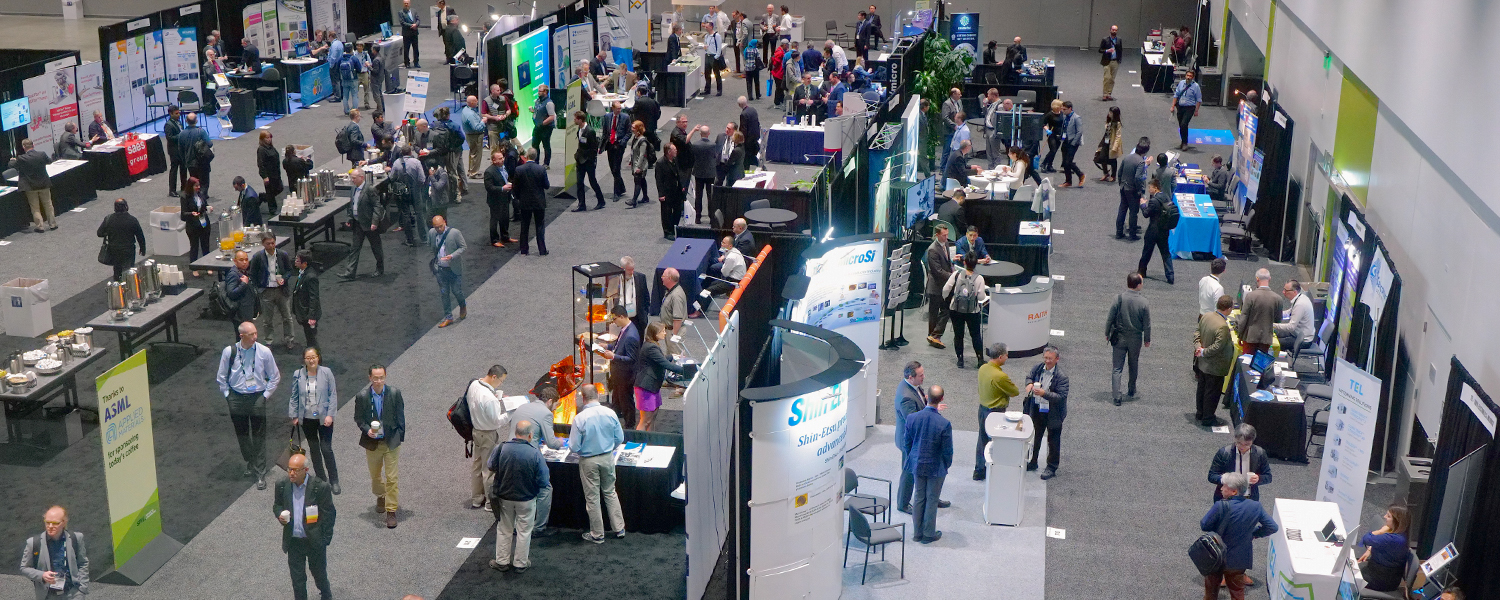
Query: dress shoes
x: 944, y: 504
x: 499, y: 566
x: 445, y: 322
x: 600, y: 205
x: 390, y: 520
x: 906, y: 509
x: 930, y: 539
x: 979, y: 474
x: 336, y: 490
x: 380, y: 504
x: 935, y: 342
x: 463, y: 312
x: 1117, y: 400
x: 1031, y: 466
x: 579, y: 209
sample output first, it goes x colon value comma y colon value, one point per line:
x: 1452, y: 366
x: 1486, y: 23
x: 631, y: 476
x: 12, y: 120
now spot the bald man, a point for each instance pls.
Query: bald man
x: 247, y: 378
x: 56, y: 562
x: 304, y: 506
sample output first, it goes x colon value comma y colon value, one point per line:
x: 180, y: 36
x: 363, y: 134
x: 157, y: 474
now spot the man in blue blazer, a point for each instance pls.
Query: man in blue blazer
x: 622, y: 355
x: 1238, y: 521
x: 1047, y: 403
x: 382, y: 403
x: 927, y: 449
x: 909, y: 399
x: 1244, y: 457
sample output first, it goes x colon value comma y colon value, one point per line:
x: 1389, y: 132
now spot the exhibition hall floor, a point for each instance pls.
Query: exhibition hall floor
x: 1129, y: 493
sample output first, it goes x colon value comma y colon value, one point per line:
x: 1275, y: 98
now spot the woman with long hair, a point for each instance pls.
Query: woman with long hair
x: 296, y: 167
x: 1384, y: 562
x: 1020, y: 167
x: 640, y: 147
x: 1107, y: 157
x: 197, y: 216
x: 650, y: 369
x: 312, y: 405
x: 967, y: 290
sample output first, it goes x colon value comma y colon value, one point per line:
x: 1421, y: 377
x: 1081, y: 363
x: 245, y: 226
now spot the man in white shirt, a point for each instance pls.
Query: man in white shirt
x: 719, y: 18
x: 713, y: 55
x: 838, y: 59
x: 1297, y: 330
x: 634, y: 293
x: 487, y: 413
x: 1209, y: 288
x: 732, y: 268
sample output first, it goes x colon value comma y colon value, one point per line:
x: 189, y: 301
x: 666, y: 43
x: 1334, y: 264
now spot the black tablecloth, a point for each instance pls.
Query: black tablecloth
x: 645, y: 493
x: 112, y: 169
x: 1280, y: 427
x: 70, y: 189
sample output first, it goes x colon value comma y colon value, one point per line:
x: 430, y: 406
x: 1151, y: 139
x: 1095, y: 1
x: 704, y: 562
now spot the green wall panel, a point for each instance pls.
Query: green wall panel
x: 1354, y: 143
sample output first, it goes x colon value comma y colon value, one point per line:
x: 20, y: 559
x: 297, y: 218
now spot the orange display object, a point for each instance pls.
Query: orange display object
x: 568, y: 376
x: 734, y: 297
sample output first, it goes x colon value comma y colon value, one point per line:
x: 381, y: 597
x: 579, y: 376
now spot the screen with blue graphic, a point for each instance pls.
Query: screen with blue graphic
x: 14, y: 114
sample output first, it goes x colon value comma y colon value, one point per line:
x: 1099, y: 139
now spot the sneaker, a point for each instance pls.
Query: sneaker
x: 499, y: 566
x: 960, y: 362
x: 260, y: 482
x: 1049, y: 473
x: 488, y: 508
x: 519, y: 570
x: 589, y: 537
x: 619, y: 535
x: 935, y: 342
x: 479, y: 504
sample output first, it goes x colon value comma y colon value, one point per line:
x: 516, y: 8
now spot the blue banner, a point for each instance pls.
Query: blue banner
x: 963, y: 33
x: 316, y: 84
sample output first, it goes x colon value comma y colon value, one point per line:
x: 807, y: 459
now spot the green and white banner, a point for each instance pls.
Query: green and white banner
x: 129, y: 456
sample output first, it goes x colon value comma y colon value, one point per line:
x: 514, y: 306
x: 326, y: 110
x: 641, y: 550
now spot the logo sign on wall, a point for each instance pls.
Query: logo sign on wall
x: 963, y: 33
x: 316, y: 84
x: 1351, y: 433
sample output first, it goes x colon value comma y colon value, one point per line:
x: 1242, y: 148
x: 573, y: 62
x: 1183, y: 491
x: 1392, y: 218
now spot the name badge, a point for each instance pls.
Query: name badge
x: 311, y: 514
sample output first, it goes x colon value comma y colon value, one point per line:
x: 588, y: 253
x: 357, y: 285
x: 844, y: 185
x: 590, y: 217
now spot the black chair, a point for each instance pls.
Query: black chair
x: 1315, y: 426
x: 871, y: 536
x: 188, y: 101
x: 152, y: 105
x: 866, y: 503
x: 1408, y: 583
x: 832, y: 29
x: 1236, y: 234
x: 460, y: 76
x: 278, y: 104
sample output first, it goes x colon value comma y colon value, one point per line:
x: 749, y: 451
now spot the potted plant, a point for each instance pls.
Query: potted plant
x: 944, y: 68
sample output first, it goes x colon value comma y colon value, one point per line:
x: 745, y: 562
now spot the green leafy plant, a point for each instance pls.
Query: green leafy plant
x: 943, y: 68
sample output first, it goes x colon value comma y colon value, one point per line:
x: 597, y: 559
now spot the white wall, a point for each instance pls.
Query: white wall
x: 1308, y: 92
x: 1255, y: 17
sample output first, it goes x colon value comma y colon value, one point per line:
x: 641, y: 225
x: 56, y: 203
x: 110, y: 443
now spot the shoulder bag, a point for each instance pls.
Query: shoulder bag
x: 1208, y: 552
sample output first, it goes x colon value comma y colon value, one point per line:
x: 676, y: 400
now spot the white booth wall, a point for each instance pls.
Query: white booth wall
x: 1433, y: 155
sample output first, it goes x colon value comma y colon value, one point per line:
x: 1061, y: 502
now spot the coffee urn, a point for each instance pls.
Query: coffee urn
x: 133, y: 291
x: 117, y: 302
x: 151, y: 278
x: 325, y: 183
x: 305, y: 190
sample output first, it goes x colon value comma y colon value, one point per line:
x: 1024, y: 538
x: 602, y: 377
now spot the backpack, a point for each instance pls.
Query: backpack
x: 341, y: 141
x: 202, y: 152
x: 965, y: 292
x: 1170, y: 215
x: 458, y: 416
x: 346, y: 68
x: 453, y: 140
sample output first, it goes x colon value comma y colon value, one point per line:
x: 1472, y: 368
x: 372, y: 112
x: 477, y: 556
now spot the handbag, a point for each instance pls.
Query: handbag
x: 293, y: 447
x: 1208, y: 552
x: 104, y: 252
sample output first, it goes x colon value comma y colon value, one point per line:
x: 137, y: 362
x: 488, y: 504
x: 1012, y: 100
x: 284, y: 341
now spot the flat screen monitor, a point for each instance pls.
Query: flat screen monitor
x: 14, y: 114
x: 1261, y: 361
x: 385, y: 30
x: 301, y: 49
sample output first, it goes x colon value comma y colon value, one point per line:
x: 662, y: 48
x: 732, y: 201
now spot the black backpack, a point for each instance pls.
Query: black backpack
x: 202, y: 152
x: 458, y: 416
x: 1170, y: 215
x: 342, y: 141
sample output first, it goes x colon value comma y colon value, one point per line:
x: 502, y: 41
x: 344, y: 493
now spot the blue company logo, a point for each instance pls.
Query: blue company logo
x: 963, y: 21
x: 804, y: 411
x: 1354, y: 386
x: 15, y: 302
x: 862, y: 257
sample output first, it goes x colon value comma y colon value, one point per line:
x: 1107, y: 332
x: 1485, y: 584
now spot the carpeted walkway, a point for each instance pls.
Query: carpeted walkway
x: 563, y: 567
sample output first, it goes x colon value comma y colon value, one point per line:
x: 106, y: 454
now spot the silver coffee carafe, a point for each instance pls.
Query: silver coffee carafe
x: 305, y: 190
x: 325, y: 183
x: 133, y: 297
x: 151, y: 278
x: 118, y: 304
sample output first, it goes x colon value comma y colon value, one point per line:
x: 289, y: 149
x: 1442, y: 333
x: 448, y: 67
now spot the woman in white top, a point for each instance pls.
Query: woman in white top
x: 314, y: 401
x: 967, y: 293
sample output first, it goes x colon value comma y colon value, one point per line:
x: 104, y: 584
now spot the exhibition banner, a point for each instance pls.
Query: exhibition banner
x: 1351, y: 433
x: 291, y: 19
x: 570, y: 143
x: 844, y: 286
x: 580, y: 46
x: 331, y: 14
x: 156, y: 70
x: 135, y: 63
x: 129, y: 456
x: 963, y: 33
x: 180, y: 46
x: 796, y: 493
x: 39, y: 131
x: 135, y: 157
x: 119, y: 84
x: 528, y: 69
x: 416, y: 93
x: 710, y: 418
x: 63, y: 101
x: 1377, y: 286
x: 562, y: 55
x: 269, y: 31
x: 253, y: 27
x: 317, y: 84
x: 637, y: 20
x: 90, y: 78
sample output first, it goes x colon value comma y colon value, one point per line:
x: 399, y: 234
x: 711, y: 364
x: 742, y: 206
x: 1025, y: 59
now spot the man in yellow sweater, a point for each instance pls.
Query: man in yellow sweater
x: 995, y: 391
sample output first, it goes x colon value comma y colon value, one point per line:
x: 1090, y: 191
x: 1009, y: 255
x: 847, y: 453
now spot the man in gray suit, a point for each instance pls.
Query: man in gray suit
x: 56, y: 561
x: 939, y: 268
x: 1128, y: 329
x: 1260, y: 310
x: 705, y: 168
x: 369, y: 212
x: 447, y: 249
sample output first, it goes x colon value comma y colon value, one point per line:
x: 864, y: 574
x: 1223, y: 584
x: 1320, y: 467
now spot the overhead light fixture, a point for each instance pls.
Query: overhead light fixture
x: 494, y: 17
x: 464, y: 28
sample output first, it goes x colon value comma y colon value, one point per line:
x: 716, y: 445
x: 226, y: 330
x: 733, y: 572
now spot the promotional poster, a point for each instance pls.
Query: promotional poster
x: 845, y: 287
x: 39, y: 131
x: 291, y: 18
x: 180, y: 45
x: 1351, y: 434
x: 963, y: 33
x: 119, y: 85
x: 129, y: 456
x: 135, y: 64
x: 63, y: 101
x: 90, y: 78
x: 528, y: 69
x: 156, y: 70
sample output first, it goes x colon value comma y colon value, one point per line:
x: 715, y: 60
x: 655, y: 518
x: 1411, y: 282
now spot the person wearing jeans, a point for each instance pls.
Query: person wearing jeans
x: 447, y: 264
x: 1072, y: 139
x: 596, y: 435
x: 1239, y: 521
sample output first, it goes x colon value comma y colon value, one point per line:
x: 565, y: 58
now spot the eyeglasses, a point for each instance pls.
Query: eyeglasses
x: 51, y: 523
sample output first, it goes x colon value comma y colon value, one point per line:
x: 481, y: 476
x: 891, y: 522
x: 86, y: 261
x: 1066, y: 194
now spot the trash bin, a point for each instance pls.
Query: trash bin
x: 1005, y: 466
x: 167, y: 232
x: 28, y: 307
x: 799, y: 28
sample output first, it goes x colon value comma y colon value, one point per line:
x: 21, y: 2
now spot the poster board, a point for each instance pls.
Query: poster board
x: 333, y: 14
x: 62, y: 101
x: 129, y: 457
x: 291, y: 20
x: 570, y: 144
x: 963, y: 33
x: 270, y: 31
x: 180, y: 48
x: 90, y: 78
x: 39, y: 130
x: 416, y: 92
x: 528, y: 68
x: 135, y: 65
x: 119, y: 79
x: 1351, y: 434
x: 156, y: 69
x: 254, y: 31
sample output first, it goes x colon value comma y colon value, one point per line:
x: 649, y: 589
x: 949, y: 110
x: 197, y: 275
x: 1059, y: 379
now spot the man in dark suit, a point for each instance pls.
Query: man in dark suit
x: 622, y: 356
x: 381, y: 403
x: 616, y: 139
x: 244, y: 303
x: 705, y: 169
x: 269, y: 270
x: 674, y: 45
x: 176, y: 172
x: 1047, y: 403
x: 673, y: 193
x: 928, y: 453
x: 529, y: 189
x: 499, y: 200
x: 743, y: 240
x: 307, y: 302
x: 1243, y: 457
x: 939, y: 268
x: 411, y: 54
x: 250, y: 56
x: 636, y: 297
x: 723, y: 152
x: 304, y: 507
x: 682, y: 138
x: 1260, y: 310
x: 586, y: 160
x: 1157, y: 230
x: 750, y: 126
x: 648, y: 112
x: 369, y: 213
x: 909, y: 399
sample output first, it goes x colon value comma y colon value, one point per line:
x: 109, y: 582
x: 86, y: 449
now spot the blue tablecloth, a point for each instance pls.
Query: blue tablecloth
x: 797, y: 146
x: 1195, y: 233
x: 1183, y: 187
x: 691, y: 258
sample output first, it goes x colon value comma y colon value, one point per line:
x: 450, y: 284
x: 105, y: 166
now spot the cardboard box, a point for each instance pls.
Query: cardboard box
x: 28, y: 307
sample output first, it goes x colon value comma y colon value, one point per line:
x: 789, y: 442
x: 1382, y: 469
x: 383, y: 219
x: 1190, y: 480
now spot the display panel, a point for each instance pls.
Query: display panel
x: 14, y: 114
x: 529, y: 67
x: 845, y: 287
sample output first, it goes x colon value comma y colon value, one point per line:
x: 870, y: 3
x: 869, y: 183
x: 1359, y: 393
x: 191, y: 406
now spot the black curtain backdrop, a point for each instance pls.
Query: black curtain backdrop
x: 1273, y: 223
x: 1462, y: 433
